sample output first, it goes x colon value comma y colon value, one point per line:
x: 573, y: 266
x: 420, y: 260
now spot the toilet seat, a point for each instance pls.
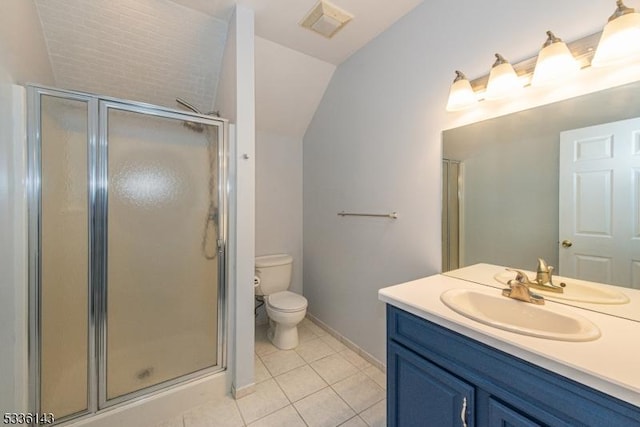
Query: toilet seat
x: 287, y: 302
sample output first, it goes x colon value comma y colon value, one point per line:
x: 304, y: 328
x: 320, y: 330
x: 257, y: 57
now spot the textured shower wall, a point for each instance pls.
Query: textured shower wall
x: 134, y: 49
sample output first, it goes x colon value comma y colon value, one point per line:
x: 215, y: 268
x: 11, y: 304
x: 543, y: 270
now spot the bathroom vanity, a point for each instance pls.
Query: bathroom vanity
x: 445, y: 369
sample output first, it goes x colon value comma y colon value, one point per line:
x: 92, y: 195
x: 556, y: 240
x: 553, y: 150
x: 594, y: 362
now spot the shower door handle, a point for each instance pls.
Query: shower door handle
x: 220, y: 246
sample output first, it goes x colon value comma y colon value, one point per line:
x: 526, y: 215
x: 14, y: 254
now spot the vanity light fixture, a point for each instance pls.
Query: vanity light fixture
x: 461, y: 95
x: 618, y: 43
x: 620, y: 39
x: 555, y: 62
x: 503, y: 80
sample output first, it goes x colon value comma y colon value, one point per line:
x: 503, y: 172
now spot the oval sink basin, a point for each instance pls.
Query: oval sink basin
x: 575, y: 290
x: 519, y: 316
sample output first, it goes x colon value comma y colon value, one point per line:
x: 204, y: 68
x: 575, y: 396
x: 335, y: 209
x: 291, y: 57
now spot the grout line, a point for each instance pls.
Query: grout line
x: 347, y: 342
x: 244, y: 422
x: 352, y: 408
x: 274, y: 411
x: 355, y: 416
x: 350, y: 346
x: 292, y: 403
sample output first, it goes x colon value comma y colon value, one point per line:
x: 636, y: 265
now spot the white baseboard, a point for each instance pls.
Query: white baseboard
x: 239, y: 393
x: 350, y: 344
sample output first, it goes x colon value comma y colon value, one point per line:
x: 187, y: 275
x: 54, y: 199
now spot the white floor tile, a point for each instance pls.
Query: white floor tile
x: 324, y: 409
x: 359, y: 391
x: 285, y: 417
x: 377, y: 375
x: 223, y: 413
x: 266, y: 399
x: 329, y: 385
x: 314, y: 350
x: 300, y: 382
x: 333, y: 343
x: 334, y: 368
x: 262, y: 345
x: 354, y: 422
x: 313, y: 327
x: 355, y: 359
x: 260, y: 371
x: 174, y: 422
x: 376, y: 416
x: 282, y: 361
x: 305, y: 334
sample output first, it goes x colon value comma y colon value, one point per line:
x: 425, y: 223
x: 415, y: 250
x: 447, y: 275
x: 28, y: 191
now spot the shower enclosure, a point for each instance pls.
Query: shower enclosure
x: 127, y: 235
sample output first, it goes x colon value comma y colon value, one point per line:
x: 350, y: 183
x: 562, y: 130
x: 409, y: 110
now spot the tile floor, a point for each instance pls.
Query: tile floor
x: 321, y: 383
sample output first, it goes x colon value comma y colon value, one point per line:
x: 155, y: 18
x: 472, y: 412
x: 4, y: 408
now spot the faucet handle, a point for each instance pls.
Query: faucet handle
x: 519, y: 289
x: 520, y: 276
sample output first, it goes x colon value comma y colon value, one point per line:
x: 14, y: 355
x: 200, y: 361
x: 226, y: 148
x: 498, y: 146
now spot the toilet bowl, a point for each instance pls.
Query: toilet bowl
x: 285, y: 309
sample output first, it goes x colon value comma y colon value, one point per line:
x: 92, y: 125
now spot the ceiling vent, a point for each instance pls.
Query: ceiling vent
x: 326, y: 19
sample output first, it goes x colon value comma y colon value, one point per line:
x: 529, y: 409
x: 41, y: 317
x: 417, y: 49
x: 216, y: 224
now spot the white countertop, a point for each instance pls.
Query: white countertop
x: 610, y: 364
x: 485, y: 274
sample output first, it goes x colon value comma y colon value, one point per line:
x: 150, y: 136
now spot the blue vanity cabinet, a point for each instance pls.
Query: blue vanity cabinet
x: 437, y: 377
x: 450, y: 400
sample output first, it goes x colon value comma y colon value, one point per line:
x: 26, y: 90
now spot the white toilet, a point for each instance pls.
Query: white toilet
x: 285, y: 309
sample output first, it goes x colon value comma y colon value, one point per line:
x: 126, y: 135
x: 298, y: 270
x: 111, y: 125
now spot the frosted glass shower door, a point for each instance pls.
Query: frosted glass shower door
x: 162, y: 261
x: 63, y: 264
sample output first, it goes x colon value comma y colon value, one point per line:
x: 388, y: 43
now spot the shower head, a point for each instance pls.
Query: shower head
x: 197, y: 127
x: 195, y: 110
x: 187, y: 105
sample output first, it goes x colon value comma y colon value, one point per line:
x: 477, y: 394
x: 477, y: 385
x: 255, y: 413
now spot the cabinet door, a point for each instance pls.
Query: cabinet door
x: 422, y: 394
x: 502, y: 416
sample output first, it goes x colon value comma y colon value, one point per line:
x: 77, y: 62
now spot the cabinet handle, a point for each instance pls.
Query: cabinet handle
x: 463, y: 413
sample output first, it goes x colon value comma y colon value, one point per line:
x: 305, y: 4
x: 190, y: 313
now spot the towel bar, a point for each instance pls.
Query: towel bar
x: 392, y: 215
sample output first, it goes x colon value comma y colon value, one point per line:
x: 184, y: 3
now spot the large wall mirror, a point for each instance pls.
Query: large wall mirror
x: 513, y: 188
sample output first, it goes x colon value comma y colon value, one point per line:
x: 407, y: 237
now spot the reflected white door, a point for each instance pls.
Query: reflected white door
x: 599, y: 222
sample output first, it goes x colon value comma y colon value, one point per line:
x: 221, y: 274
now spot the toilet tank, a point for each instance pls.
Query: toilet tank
x: 274, y: 272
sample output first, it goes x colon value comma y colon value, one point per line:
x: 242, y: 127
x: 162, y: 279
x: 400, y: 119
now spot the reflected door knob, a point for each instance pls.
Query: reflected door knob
x: 567, y: 243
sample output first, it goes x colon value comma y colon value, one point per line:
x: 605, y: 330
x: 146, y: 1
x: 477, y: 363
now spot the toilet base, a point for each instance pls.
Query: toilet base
x: 285, y: 337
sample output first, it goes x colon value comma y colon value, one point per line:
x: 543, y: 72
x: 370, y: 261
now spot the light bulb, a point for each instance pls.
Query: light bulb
x: 461, y: 94
x: 555, y: 62
x: 620, y: 40
x: 503, y: 80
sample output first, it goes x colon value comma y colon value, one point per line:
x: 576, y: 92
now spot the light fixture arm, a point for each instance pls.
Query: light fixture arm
x: 620, y: 10
x: 499, y: 60
x: 459, y: 76
x: 551, y: 39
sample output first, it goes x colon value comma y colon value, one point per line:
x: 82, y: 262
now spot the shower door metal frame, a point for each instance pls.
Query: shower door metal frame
x: 105, y: 105
x: 97, y: 162
x: 34, y: 240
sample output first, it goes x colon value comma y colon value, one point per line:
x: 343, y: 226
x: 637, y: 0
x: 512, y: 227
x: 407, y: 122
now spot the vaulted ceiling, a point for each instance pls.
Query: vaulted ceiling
x: 141, y: 50
x: 156, y: 50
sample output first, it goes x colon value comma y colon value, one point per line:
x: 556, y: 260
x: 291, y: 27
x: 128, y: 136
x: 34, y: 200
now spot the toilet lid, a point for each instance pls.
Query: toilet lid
x: 287, y: 301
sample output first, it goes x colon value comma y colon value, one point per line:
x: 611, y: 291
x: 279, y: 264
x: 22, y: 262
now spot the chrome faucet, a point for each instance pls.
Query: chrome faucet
x: 519, y: 289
